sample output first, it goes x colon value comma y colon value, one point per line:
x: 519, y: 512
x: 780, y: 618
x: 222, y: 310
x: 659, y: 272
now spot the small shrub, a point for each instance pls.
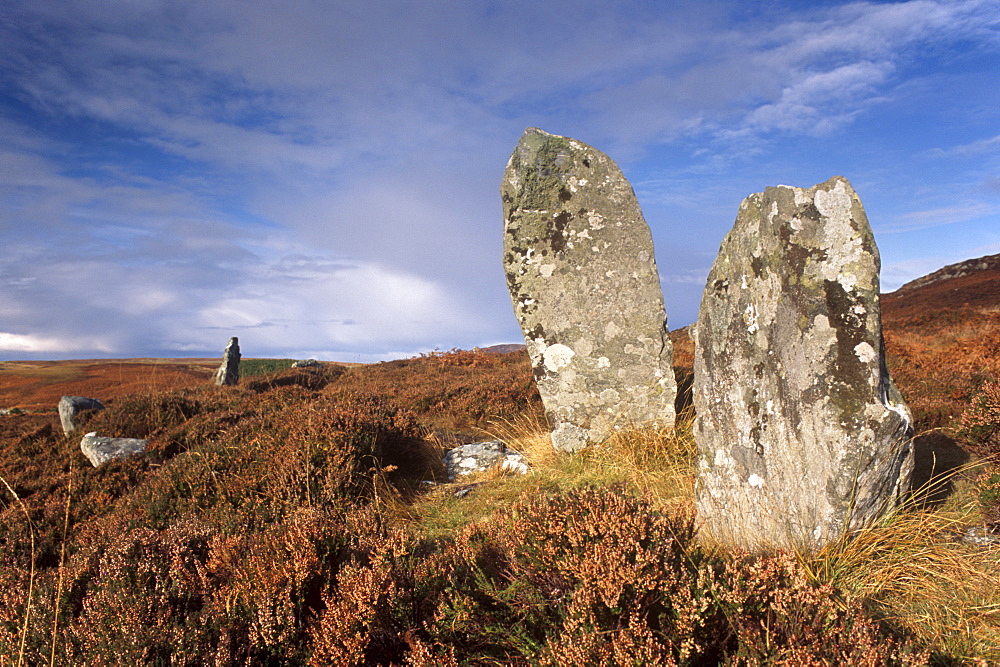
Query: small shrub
x: 979, y: 425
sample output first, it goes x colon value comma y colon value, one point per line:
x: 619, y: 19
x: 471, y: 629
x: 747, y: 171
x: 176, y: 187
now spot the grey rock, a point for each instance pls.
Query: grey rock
x: 100, y: 450
x: 11, y: 411
x: 229, y: 371
x: 71, y: 406
x: 981, y: 536
x: 482, y: 456
x: 307, y: 363
x: 803, y: 437
x: 579, y: 262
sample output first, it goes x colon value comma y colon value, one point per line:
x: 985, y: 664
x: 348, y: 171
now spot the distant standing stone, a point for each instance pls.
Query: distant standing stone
x: 802, y: 434
x: 583, y: 281
x: 71, y: 406
x: 99, y: 450
x: 229, y: 371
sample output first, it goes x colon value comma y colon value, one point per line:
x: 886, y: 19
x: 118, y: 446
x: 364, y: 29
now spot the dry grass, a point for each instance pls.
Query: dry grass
x: 281, y: 522
x: 909, y: 569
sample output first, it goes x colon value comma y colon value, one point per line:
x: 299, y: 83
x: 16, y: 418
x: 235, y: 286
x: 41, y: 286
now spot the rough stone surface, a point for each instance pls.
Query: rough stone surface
x: 229, y: 371
x: 100, y: 450
x: 802, y: 434
x: 307, y: 363
x: 583, y: 281
x: 482, y: 456
x: 71, y: 406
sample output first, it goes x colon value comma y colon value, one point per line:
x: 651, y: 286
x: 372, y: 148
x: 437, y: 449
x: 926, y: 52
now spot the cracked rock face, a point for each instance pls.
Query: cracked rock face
x: 583, y: 281
x: 802, y: 434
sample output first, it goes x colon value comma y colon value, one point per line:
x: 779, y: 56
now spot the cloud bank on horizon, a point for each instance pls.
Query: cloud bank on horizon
x: 321, y: 178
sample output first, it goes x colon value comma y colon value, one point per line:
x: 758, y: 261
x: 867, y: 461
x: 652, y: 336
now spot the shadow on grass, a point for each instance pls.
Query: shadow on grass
x: 936, y: 459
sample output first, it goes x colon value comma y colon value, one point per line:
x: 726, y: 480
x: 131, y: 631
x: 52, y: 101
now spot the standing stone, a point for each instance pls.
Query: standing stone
x: 229, y: 371
x: 802, y: 434
x: 71, y: 406
x: 582, y: 277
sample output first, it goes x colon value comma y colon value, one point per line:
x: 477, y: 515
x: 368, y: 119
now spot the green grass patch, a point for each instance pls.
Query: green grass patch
x: 251, y: 367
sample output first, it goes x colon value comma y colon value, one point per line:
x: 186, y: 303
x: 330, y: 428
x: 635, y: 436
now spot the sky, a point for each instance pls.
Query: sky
x: 321, y: 178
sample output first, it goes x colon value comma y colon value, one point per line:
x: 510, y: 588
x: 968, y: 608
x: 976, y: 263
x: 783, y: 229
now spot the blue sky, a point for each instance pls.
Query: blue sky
x: 321, y: 178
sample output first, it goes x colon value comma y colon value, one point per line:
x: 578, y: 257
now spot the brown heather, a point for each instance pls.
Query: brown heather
x: 286, y: 521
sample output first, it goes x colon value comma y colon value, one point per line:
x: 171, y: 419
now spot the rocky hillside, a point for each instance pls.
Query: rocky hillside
x: 974, y: 283
x: 942, y: 337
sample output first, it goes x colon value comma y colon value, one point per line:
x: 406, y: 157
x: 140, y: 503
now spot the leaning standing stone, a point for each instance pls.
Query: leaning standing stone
x: 229, y: 371
x: 803, y: 436
x: 582, y: 277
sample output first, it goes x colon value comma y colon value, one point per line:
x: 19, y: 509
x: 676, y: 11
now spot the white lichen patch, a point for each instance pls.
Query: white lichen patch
x: 545, y: 270
x: 750, y: 318
x: 603, y: 362
x: 723, y: 459
x: 755, y: 481
x: 843, y: 244
x: 557, y: 356
x: 865, y: 352
x: 595, y: 219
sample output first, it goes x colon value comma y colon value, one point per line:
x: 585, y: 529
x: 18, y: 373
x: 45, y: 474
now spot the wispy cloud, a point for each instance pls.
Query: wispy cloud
x: 918, y: 220
x: 989, y: 146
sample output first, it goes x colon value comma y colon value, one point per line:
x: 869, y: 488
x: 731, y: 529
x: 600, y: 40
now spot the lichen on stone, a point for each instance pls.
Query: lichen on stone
x: 804, y: 329
x: 580, y: 266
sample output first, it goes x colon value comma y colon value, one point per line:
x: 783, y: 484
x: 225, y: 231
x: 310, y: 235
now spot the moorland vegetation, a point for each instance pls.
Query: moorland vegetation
x: 303, y: 517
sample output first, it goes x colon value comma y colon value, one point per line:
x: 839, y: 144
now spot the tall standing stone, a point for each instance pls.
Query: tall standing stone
x: 802, y: 434
x: 229, y: 371
x: 579, y: 262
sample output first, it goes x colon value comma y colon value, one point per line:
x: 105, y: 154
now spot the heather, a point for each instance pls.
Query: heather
x: 289, y: 521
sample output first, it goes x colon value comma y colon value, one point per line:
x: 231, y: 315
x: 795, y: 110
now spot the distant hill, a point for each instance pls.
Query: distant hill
x: 974, y: 283
x: 503, y: 349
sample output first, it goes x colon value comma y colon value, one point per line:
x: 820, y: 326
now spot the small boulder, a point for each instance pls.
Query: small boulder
x: 71, y: 406
x: 482, y: 456
x: 100, y: 450
x: 307, y: 363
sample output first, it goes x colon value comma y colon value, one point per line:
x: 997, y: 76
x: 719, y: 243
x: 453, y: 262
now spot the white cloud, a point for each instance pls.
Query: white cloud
x: 32, y: 344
